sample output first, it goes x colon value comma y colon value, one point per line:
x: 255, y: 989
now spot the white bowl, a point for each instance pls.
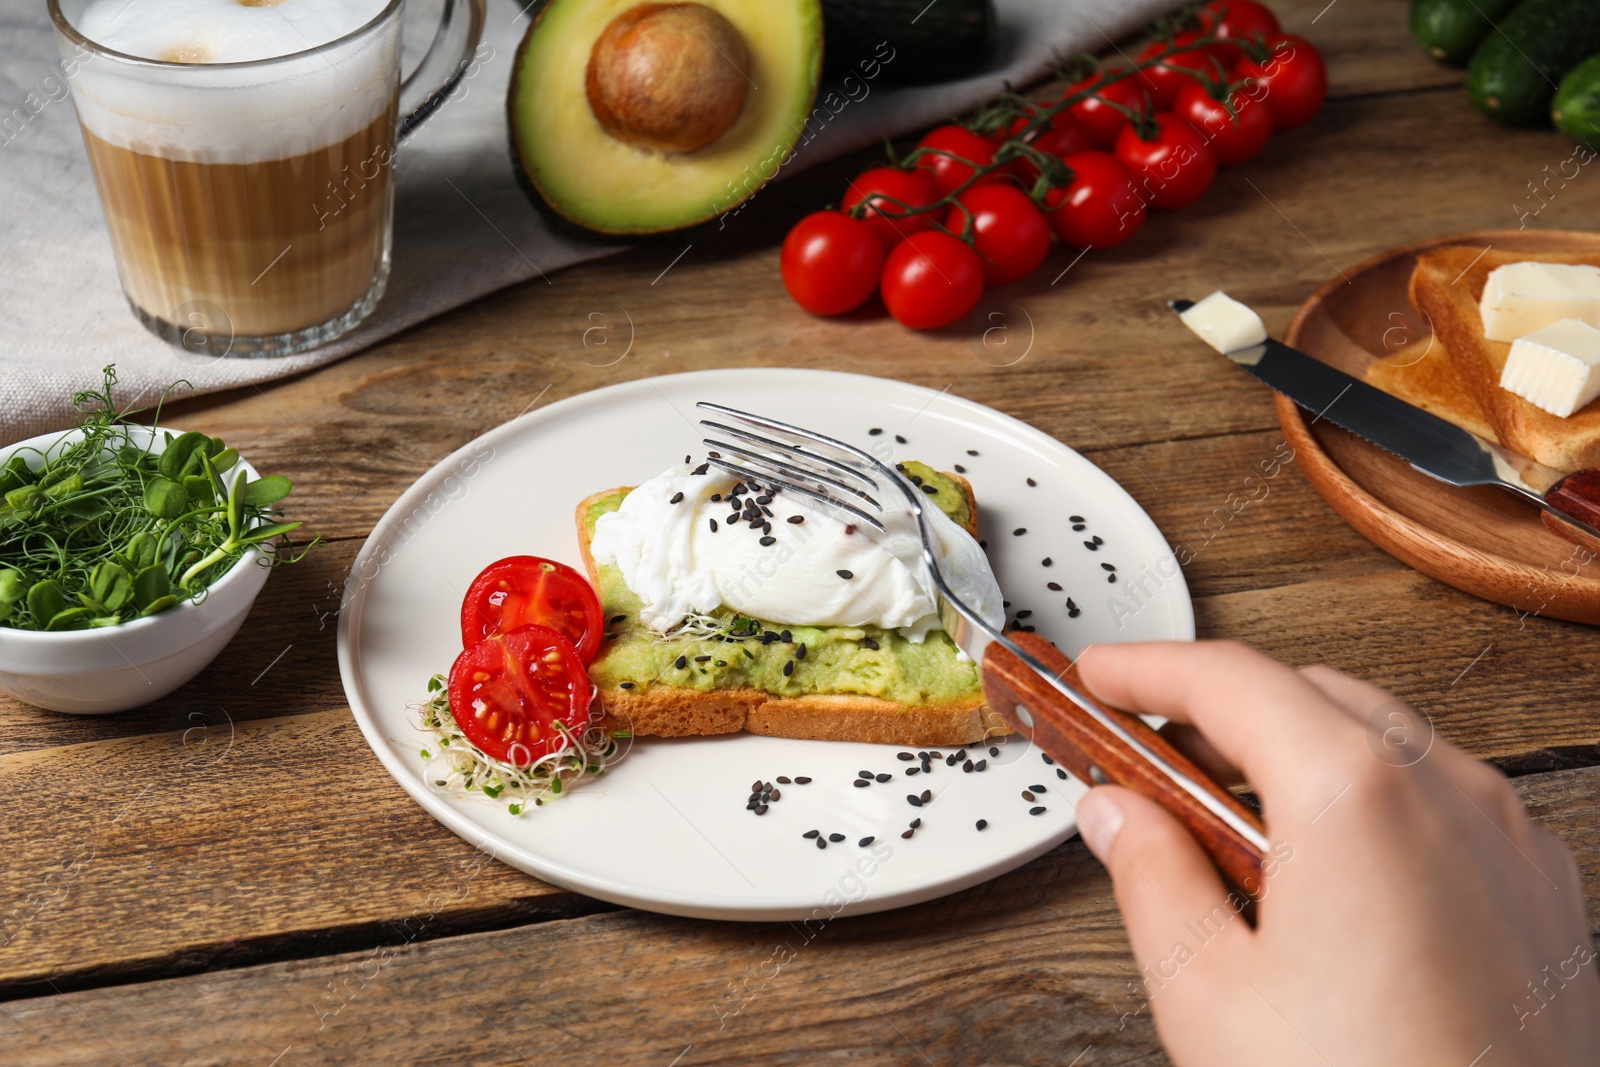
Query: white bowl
x: 114, y: 668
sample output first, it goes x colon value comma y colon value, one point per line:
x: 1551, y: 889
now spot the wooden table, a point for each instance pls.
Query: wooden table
x: 230, y: 876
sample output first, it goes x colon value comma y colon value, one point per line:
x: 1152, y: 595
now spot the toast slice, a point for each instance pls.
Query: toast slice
x: 851, y: 685
x: 1421, y: 374
x: 1446, y: 287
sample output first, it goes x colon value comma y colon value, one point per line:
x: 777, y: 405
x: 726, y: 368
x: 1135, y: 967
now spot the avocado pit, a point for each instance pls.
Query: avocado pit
x: 668, y: 77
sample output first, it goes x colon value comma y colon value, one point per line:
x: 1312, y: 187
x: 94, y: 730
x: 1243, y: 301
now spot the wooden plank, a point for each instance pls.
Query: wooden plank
x: 1031, y: 968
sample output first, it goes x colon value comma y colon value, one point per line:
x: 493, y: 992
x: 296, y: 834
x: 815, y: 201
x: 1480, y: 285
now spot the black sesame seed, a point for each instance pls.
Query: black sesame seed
x: 1108, y: 566
x: 797, y: 519
x: 802, y: 781
x: 811, y: 833
x: 1037, y: 788
x: 983, y: 544
x: 1032, y: 483
x: 713, y: 525
x: 1071, y: 606
x: 688, y: 459
x: 775, y: 794
x: 788, y: 668
x: 761, y: 809
x: 981, y: 765
x: 950, y: 761
x: 1027, y: 629
x: 967, y: 766
x: 822, y: 842
x: 755, y: 787
x: 846, y: 575
x: 768, y: 541
x: 786, y: 636
x: 936, y: 754
x: 916, y: 824
x: 849, y: 528
x: 714, y: 455
x: 864, y: 774
x: 783, y: 779
x: 959, y: 469
x: 864, y: 842
x: 1028, y: 796
x: 715, y: 497
x: 677, y: 498
x: 1078, y: 527
x: 702, y: 659
x: 906, y: 756
x: 1046, y: 562
x: 1019, y: 531
x: 800, y: 651
x: 916, y: 479
x: 1005, y: 603
x: 1074, y: 518
x: 702, y: 468
x: 972, y: 451
x: 860, y: 783
x: 835, y: 838
x: 1046, y: 757
x: 908, y: 833
x: 1111, y: 579
x: 1091, y: 546
x: 1061, y: 774
x: 931, y: 490
x: 1024, y: 613
x: 883, y: 777
x: 1054, y: 587
x: 914, y: 800
x: 899, y: 440
x: 1037, y: 810
x: 994, y: 751
x: 1073, y: 613
x: 624, y: 685
x: 681, y: 662
x: 874, y: 432
x: 870, y: 643
x: 912, y: 770
x: 983, y: 824
x: 1097, y: 540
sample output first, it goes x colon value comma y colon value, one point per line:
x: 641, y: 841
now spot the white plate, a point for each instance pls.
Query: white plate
x: 667, y: 829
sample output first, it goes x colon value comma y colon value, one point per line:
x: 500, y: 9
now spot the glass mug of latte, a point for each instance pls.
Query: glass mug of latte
x: 244, y: 153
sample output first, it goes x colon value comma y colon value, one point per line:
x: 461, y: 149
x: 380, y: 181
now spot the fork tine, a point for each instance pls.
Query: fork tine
x: 784, y: 483
x: 855, y: 455
x: 793, y: 471
x: 796, y: 451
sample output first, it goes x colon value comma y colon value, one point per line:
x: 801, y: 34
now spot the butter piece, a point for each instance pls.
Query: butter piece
x: 1224, y: 323
x: 1520, y: 298
x: 1556, y: 368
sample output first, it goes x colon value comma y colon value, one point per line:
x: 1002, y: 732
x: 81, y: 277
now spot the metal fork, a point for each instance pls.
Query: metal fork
x: 1027, y: 681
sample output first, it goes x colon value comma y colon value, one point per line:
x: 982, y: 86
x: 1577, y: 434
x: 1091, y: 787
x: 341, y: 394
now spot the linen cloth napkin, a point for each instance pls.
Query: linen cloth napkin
x: 463, y: 226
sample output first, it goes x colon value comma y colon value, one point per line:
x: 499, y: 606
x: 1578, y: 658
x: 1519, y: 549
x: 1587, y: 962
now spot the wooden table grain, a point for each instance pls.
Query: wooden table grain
x: 229, y: 876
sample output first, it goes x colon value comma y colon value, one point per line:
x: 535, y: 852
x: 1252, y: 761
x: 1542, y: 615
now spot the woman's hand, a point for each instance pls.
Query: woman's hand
x: 1412, y: 912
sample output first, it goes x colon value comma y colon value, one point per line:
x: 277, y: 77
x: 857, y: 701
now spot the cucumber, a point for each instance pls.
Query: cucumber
x: 1576, y: 108
x: 1514, y: 72
x: 929, y: 42
x: 1449, y: 30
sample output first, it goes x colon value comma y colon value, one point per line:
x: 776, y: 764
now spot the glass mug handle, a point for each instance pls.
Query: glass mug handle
x: 442, y: 67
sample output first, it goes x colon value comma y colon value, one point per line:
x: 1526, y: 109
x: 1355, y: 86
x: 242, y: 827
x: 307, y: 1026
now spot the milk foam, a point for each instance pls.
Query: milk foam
x: 208, y: 112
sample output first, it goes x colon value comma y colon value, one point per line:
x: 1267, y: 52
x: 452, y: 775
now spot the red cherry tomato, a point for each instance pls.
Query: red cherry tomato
x: 1238, y: 20
x: 1100, y: 114
x: 1064, y: 136
x: 1294, y: 78
x: 1165, y: 79
x: 521, y: 590
x: 931, y: 279
x: 1174, y: 167
x: 881, y: 187
x: 1101, y: 208
x: 966, y: 150
x: 508, y: 692
x: 831, y: 262
x: 1234, y: 136
x: 1010, y: 234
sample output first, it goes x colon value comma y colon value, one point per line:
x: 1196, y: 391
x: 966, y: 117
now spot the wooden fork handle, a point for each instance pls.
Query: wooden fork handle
x: 1097, y: 755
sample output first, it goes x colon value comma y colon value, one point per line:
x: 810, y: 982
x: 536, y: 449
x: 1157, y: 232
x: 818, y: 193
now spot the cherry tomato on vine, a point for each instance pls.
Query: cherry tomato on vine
x: 1102, y: 113
x: 831, y: 262
x: 1234, y: 136
x: 931, y: 279
x: 1101, y: 208
x: 521, y: 590
x: 967, y: 149
x: 509, y: 691
x: 1173, y: 167
x: 1010, y: 234
x: 1056, y: 140
x: 1237, y: 20
x: 1164, y: 80
x: 1294, y: 77
x: 880, y: 187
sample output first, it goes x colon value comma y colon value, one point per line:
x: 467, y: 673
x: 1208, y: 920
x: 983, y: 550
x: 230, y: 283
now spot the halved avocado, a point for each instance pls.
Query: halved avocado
x: 636, y: 118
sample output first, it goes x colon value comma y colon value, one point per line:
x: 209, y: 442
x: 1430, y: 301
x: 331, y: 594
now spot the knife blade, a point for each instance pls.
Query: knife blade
x: 1428, y: 443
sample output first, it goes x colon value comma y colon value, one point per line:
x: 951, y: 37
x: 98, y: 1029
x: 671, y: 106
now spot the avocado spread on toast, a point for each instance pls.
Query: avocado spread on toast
x: 861, y: 661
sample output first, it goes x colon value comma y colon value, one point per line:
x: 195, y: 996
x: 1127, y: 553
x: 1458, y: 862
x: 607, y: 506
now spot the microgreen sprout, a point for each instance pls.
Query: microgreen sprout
x: 112, y: 523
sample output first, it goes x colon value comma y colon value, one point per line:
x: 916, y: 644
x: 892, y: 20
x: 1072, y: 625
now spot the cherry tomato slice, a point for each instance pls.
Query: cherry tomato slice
x: 831, y: 262
x: 508, y: 692
x: 521, y: 590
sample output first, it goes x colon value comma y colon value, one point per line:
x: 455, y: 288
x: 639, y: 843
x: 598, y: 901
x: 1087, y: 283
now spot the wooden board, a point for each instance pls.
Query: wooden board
x: 1031, y: 968
x: 1482, y: 540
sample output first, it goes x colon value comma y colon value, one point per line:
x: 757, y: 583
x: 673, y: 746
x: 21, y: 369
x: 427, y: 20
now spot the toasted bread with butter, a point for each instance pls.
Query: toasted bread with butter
x: 640, y: 683
x: 1446, y: 287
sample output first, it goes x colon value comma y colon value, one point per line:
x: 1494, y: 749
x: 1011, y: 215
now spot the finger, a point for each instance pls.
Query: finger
x: 1260, y: 715
x: 1360, y: 699
x: 1166, y: 886
x: 1193, y: 743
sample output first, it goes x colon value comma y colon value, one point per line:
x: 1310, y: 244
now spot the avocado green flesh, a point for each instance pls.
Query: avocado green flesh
x: 837, y: 660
